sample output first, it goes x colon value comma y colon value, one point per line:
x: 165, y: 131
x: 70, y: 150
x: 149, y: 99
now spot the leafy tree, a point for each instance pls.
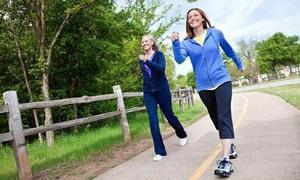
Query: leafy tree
x: 96, y: 48
x: 232, y: 70
x: 14, y: 20
x: 181, y: 81
x: 278, y: 50
x: 231, y: 67
x: 146, y: 17
x: 170, y: 66
x: 190, y: 78
x: 248, y: 52
x: 33, y: 16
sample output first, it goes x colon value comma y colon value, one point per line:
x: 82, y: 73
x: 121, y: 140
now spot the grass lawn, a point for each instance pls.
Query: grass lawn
x: 290, y: 94
x: 73, y: 147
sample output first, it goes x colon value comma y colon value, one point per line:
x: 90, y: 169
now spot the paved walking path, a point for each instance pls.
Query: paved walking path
x: 267, y: 137
x: 267, y: 85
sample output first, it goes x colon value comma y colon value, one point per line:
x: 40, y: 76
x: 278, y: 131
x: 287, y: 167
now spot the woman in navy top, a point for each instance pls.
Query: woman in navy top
x: 213, y: 81
x: 157, y: 92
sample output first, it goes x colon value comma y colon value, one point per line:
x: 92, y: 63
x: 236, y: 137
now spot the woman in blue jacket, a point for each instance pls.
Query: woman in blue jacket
x: 213, y: 81
x: 157, y: 92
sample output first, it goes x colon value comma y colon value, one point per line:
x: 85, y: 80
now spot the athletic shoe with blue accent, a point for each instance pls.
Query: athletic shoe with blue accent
x: 224, y: 168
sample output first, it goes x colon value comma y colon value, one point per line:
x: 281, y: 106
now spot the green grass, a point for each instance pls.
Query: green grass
x: 190, y: 115
x: 73, y: 147
x: 290, y: 94
x: 67, y: 149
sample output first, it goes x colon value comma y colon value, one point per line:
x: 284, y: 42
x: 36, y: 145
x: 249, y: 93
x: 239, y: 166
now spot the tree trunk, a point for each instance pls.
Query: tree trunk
x: 45, y: 87
x: 25, y: 73
x: 275, y: 70
x: 291, y: 69
x: 75, y: 110
x: 48, y: 114
x: 277, y: 74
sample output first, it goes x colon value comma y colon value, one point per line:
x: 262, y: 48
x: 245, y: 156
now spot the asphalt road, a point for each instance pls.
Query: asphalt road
x: 267, y: 138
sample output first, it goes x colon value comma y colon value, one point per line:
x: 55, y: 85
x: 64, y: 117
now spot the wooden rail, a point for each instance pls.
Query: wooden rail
x: 17, y: 134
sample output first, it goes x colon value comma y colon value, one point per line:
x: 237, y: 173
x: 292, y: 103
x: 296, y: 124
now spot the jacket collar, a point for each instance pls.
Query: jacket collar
x: 207, y: 35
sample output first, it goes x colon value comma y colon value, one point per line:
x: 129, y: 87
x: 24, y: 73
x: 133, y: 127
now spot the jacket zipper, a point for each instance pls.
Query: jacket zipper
x: 207, y: 68
x: 151, y: 84
x: 206, y: 60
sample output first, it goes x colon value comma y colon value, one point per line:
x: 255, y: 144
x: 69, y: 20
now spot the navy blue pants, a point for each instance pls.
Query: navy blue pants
x: 163, y: 99
x: 218, y: 104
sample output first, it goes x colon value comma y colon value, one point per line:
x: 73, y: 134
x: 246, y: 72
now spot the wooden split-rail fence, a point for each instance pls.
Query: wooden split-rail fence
x: 183, y: 96
x: 17, y: 133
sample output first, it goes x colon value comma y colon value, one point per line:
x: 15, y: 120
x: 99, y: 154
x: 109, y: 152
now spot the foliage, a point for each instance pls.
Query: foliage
x: 278, y: 50
x: 170, y: 66
x: 231, y: 66
x: 190, y: 78
x: 181, y: 81
x: 248, y: 53
x: 97, y: 49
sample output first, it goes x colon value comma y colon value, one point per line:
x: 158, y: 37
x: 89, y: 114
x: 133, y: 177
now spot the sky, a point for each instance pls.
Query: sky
x: 241, y: 19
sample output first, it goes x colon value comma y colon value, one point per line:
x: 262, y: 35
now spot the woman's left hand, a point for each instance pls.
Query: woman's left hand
x: 242, y: 69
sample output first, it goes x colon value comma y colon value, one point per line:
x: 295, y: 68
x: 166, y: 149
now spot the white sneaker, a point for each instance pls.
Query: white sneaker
x: 183, y: 141
x: 158, y: 157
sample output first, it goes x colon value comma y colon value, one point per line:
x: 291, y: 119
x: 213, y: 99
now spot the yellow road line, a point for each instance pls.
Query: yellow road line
x: 239, y: 121
x: 217, y: 149
x: 207, y: 162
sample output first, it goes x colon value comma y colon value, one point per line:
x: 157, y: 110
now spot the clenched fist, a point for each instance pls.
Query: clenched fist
x: 174, y: 36
x: 142, y: 57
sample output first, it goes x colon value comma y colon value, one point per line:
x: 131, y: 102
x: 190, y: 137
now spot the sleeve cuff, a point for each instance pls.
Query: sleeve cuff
x: 176, y: 43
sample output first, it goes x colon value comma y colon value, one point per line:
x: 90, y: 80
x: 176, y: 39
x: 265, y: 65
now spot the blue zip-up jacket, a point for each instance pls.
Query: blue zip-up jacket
x: 157, y: 81
x: 209, y: 67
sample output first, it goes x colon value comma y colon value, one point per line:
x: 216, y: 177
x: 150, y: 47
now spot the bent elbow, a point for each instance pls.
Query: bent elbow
x: 179, y: 60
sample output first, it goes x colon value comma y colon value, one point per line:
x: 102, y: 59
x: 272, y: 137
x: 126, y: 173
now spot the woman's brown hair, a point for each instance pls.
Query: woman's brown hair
x: 206, y: 23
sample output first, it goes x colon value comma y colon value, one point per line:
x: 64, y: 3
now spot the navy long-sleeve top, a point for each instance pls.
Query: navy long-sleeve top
x: 156, y: 80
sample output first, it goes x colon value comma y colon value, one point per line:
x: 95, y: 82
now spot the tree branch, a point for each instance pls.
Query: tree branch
x: 48, y: 63
x: 73, y: 11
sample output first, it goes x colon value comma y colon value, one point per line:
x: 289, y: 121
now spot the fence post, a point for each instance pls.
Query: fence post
x: 188, y: 96
x: 15, y: 126
x: 191, y: 95
x: 121, y: 107
x: 180, y: 100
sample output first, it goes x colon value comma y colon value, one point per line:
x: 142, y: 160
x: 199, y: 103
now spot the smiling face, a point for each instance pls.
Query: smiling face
x: 147, y: 43
x: 195, y: 19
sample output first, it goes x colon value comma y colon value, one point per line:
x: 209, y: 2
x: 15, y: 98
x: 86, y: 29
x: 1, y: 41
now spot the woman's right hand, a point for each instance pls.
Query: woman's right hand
x: 142, y: 57
x: 175, y: 36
